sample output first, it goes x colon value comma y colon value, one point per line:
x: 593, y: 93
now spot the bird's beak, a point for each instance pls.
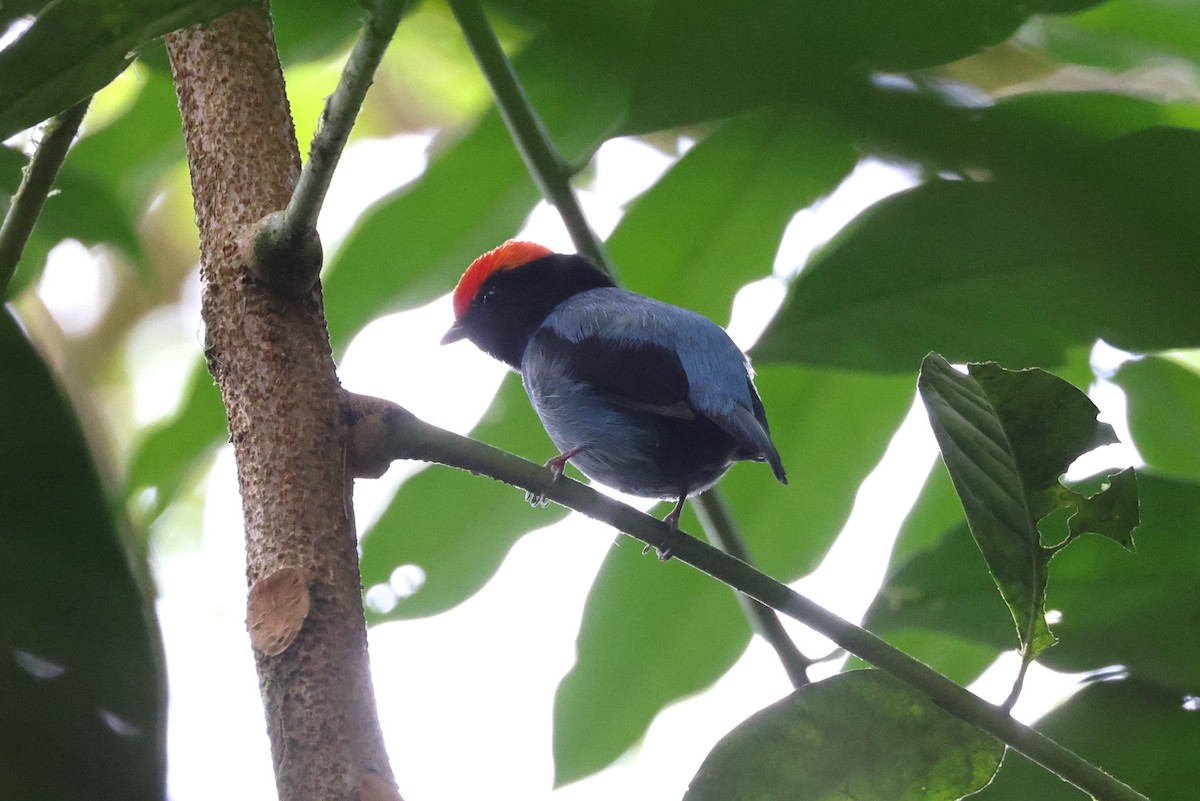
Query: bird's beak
x: 456, y: 332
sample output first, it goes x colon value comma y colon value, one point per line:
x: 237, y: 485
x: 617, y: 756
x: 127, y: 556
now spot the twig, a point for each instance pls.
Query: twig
x: 35, y: 187
x: 386, y: 431
x: 287, y: 252
x: 723, y: 532
x: 541, y: 156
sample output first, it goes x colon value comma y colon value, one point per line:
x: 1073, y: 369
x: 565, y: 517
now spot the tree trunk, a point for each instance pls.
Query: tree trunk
x: 272, y: 360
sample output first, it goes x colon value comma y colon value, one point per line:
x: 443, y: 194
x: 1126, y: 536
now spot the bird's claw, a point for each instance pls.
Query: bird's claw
x: 672, y: 521
x: 536, y: 499
x: 557, y: 466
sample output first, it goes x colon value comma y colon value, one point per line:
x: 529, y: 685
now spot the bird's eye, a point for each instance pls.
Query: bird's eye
x: 489, y: 297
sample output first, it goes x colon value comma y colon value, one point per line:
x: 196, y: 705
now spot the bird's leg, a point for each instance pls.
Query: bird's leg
x: 556, y: 466
x: 671, y: 520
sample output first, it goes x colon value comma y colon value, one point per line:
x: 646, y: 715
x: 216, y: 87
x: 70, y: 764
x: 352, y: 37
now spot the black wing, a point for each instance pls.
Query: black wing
x: 634, y: 375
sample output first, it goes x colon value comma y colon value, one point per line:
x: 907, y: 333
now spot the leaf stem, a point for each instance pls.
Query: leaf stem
x: 545, y: 164
x: 723, y: 532
x: 35, y: 187
x: 385, y: 430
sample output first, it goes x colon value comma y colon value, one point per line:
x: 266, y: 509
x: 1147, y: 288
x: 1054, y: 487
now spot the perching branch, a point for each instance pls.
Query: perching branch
x: 545, y: 164
x: 287, y: 253
x: 384, y: 431
x: 35, y: 187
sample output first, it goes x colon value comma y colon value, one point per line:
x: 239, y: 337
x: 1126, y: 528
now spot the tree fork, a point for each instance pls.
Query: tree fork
x: 270, y: 355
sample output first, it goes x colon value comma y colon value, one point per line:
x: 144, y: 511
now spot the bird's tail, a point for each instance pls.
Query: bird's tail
x: 754, y: 438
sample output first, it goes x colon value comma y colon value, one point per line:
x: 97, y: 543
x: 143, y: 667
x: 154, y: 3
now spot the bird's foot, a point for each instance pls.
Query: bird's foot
x: 671, y: 520
x: 556, y: 466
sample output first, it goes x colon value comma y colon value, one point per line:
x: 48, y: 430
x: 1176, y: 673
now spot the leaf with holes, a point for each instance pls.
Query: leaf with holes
x: 1006, y: 437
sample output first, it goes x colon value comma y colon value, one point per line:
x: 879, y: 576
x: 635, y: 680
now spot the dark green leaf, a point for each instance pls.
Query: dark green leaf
x: 1141, y: 734
x: 937, y: 509
x: 1164, y: 413
x: 1046, y: 263
x: 1135, y: 611
x: 82, y: 713
x: 1006, y: 437
x: 651, y: 635
x: 770, y: 51
x: 1115, y: 610
x: 75, y: 47
x: 860, y: 735
x: 726, y: 204
x: 412, y: 246
x: 454, y: 526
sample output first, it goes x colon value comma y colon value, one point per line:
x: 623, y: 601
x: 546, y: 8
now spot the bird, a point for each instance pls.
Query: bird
x: 648, y: 398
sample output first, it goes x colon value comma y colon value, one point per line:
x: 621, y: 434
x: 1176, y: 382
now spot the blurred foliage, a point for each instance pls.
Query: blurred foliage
x: 1057, y: 147
x: 82, y: 704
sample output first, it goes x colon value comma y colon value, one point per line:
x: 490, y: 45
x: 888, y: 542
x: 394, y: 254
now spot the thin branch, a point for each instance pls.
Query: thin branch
x: 723, y: 532
x: 386, y: 431
x: 542, y: 158
x: 35, y: 187
x: 287, y: 252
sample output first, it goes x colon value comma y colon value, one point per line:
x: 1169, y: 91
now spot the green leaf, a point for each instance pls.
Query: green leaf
x: 79, y: 207
x: 650, y: 634
x: 1114, y: 610
x: 82, y: 713
x: 1006, y: 437
x: 1140, y: 733
x: 860, y: 735
x: 1164, y: 413
x: 173, y: 450
x: 306, y: 31
x: 1126, y: 34
x: 945, y: 588
x: 133, y: 152
x: 831, y: 429
x: 1086, y: 114
x: 642, y: 618
x: 454, y: 526
x: 959, y: 659
x: 412, y: 246
x: 75, y: 47
x: 726, y: 204
x: 937, y: 509
x: 773, y: 51
x: 1132, y: 612
x: 1045, y: 261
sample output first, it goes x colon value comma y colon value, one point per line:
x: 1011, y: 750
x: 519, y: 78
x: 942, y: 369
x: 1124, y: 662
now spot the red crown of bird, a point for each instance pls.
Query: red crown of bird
x: 511, y: 254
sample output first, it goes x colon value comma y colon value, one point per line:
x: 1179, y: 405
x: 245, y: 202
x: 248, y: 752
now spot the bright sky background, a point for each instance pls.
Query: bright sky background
x: 466, y: 697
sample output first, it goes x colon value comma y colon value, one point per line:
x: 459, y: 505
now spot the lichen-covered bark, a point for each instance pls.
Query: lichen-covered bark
x: 271, y: 357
